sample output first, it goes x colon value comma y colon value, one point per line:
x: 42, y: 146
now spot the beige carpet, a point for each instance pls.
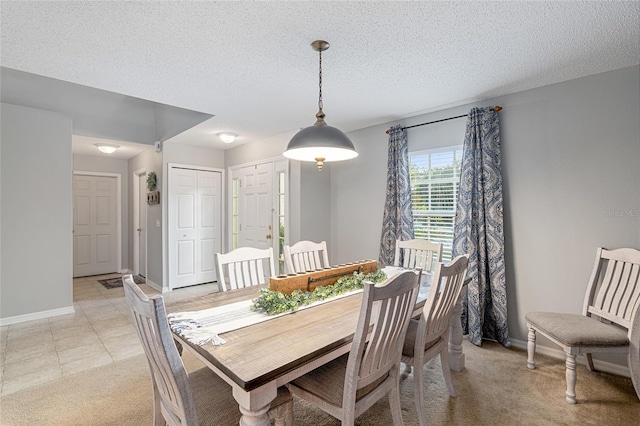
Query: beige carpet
x: 495, y: 389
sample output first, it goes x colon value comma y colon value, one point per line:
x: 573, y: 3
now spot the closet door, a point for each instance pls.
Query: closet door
x: 209, y: 224
x: 194, y: 225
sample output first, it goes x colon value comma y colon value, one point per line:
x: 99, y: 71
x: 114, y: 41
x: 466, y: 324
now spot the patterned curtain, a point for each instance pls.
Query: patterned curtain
x: 397, y: 223
x: 478, y: 230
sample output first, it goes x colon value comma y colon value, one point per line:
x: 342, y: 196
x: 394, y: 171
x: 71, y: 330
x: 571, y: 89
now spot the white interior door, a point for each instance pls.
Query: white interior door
x: 142, y: 225
x: 256, y: 206
x: 209, y: 223
x: 194, y: 225
x: 95, y: 242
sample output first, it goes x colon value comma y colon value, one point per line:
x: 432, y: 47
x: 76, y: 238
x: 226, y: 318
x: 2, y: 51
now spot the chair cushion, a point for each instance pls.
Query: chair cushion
x: 327, y: 382
x: 577, y: 330
x: 214, y: 400
x: 410, y: 340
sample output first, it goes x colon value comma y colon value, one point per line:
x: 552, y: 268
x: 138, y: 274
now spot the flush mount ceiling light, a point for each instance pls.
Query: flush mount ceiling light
x: 107, y: 148
x: 320, y: 143
x: 227, y: 137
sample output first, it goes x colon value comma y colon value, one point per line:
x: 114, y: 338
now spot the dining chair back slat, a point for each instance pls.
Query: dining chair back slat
x: 244, y: 267
x: 417, y: 254
x: 305, y: 256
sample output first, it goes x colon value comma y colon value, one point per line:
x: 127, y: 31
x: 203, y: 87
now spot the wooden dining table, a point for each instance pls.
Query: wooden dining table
x: 257, y: 359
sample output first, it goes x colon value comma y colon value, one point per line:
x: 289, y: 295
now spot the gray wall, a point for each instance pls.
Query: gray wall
x: 571, y: 171
x: 315, y: 203
x: 193, y: 155
x: 36, y: 266
x: 86, y: 163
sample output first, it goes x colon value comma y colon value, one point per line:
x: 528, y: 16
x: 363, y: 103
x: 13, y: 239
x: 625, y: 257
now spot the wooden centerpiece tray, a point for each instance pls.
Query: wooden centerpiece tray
x: 308, y: 281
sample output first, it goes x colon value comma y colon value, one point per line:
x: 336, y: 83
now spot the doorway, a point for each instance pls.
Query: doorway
x: 259, y: 207
x: 96, y: 223
x: 140, y: 223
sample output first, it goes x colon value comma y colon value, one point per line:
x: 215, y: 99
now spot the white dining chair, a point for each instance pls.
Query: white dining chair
x: 609, y: 323
x: 244, y: 267
x: 305, y: 256
x: 418, y: 254
x: 181, y: 398
x: 428, y: 336
x: 349, y: 385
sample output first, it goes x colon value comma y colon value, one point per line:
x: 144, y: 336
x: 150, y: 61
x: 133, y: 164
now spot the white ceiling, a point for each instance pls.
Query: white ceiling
x: 250, y: 64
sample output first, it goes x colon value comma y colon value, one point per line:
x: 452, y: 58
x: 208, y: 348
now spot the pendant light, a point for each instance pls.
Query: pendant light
x: 320, y: 143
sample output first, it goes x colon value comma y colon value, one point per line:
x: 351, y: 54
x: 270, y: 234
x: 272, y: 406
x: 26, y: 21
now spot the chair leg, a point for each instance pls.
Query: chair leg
x: 571, y: 378
x: 394, y: 402
x: 531, y: 348
x: 446, y: 370
x: 634, y: 365
x: 418, y: 390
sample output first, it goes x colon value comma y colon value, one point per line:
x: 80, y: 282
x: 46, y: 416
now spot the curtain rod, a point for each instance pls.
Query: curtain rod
x: 495, y: 108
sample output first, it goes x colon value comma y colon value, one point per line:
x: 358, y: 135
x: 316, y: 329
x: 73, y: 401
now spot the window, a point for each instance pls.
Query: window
x: 280, y: 211
x: 435, y: 179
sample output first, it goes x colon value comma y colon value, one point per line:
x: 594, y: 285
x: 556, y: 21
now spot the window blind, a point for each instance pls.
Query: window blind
x: 435, y: 179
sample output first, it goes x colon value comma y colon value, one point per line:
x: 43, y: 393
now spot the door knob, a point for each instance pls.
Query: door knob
x: 268, y: 236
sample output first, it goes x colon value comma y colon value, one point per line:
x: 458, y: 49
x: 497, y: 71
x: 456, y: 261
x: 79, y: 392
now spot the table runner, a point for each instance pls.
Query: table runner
x: 201, y: 327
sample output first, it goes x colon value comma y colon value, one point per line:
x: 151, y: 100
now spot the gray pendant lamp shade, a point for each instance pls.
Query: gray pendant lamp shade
x: 320, y: 143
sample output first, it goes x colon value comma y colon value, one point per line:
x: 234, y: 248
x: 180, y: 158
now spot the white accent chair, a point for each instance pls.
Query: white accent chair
x: 305, y: 256
x: 418, y: 254
x: 428, y: 337
x: 349, y: 385
x: 244, y: 267
x: 610, y: 319
x: 181, y: 398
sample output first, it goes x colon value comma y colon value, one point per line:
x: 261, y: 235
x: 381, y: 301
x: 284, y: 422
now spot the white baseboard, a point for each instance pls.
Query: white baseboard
x: 604, y: 366
x: 36, y: 316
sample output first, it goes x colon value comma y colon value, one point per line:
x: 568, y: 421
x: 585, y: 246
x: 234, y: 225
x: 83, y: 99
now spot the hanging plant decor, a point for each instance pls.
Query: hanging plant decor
x: 152, y: 181
x: 153, y: 196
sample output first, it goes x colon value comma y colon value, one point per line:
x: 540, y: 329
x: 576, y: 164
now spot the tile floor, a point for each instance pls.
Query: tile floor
x: 99, y: 332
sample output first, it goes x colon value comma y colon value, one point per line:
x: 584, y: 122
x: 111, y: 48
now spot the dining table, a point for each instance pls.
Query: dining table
x: 258, y: 358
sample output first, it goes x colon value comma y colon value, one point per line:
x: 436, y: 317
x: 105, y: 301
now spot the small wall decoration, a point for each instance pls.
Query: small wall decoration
x: 152, y: 181
x: 153, y: 196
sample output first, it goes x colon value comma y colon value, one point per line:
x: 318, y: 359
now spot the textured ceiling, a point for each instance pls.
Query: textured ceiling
x: 250, y: 64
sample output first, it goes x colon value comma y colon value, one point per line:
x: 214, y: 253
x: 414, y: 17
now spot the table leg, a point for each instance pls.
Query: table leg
x: 456, y: 356
x: 255, y: 417
x: 254, y: 405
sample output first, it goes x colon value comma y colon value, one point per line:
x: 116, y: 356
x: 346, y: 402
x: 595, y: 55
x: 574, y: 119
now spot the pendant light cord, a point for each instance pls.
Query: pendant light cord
x: 320, y: 83
x: 320, y: 115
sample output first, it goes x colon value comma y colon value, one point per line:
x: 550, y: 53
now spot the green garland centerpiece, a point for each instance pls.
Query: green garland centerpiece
x: 275, y: 302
